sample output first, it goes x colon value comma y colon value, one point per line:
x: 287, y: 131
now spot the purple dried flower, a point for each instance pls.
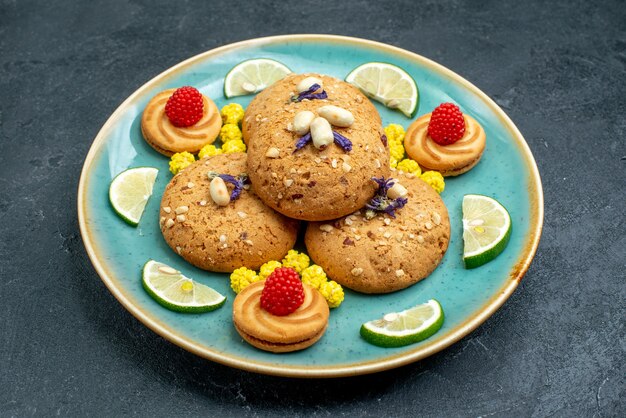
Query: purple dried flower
x: 309, y: 94
x: 381, y: 202
x: 383, y: 138
x: 238, y: 181
x: 342, y: 141
x: 303, y: 141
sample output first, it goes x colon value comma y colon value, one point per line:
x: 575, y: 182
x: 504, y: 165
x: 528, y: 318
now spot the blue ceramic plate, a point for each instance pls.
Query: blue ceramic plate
x: 506, y: 172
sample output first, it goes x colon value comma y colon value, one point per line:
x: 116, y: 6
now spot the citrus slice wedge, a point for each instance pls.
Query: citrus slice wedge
x: 387, y: 84
x: 129, y: 192
x: 397, y: 329
x: 171, y: 289
x: 252, y: 76
x: 486, y: 229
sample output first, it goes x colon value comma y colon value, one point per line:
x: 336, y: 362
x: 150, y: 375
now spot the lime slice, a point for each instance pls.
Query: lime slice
x: 486, y: 229
x: 252, y: 76
x: 387, y: 84
x: 407, y: 327
x: 176, y: 292
x: 129, y: 192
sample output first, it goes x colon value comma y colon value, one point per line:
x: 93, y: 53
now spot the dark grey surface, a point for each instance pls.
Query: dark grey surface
x: 556, y: 348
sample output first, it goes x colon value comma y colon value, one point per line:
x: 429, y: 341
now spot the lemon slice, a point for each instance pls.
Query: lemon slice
x: 170, y: 288
x: 129, y: 192
x: 387, y: 84
x: 486, y: 229
x: 252, y: 76
x: 407, y: 327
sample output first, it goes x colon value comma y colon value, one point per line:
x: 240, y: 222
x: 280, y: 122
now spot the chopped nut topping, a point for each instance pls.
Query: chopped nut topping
x: 275, y: 175
x: 399, y: 237
x: 436, y: 218
x: 411, y: 236
x: 190, y: 184
x: 178, y: 249
x: 242, y: 215
x: 169, y: 223
x: 348, y: 221
x: 280, y: 195
x: 346, y: 167
x: 326, y: 227
x: 202, y: 203
x: 357, y: 271
x: 399, y: 273
x: 181, y: 218
x: 167, y: 209
x: 272, y: 152
x: 222, y: 238
x: 357, y: 237
x: 348, y: 241
x: 377, y: 163
x: 287, y: 182
x: 387, y: 235
x: 181, y: 209
x: 333, y: 163
x: 428, y: 225
x: 420, y: 239
x: 317, y: 160
x: 249, y: 242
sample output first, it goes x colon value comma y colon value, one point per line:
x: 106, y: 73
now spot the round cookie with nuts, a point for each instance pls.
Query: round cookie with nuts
x: 398, y: 239
x: 212, y: 219
x: 312, y: 156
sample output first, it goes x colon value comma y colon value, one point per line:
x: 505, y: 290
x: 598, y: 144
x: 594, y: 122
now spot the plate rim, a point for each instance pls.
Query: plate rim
x: 531, y: 241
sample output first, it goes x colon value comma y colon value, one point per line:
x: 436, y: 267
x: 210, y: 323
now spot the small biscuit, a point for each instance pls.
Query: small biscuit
x: 449, y: 160
x: 211, y: 237
x: 312, y: 184
x: 280, y: 334
x: 384, y: 254
x: 168, y: 139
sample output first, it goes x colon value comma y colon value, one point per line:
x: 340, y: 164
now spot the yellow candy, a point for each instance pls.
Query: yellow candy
x: 296, y: 260
x: 333, y: 293
x: 435, y: 180
x: 242, y: 278
x: 268, y: 268
x: 394, y: 133
x: 234, y: 146
x: 396, y: 149
x: 314, y: 276
x: 209, y: 151
x: 409, y: 166
x: 230, y: 132
x: 181, y: 160
x: 232, y: 114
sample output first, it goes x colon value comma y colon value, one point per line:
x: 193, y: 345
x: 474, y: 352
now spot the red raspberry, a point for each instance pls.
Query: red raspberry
x: 283, y: 292
x: 185, y: 107
x: 446, y: 124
